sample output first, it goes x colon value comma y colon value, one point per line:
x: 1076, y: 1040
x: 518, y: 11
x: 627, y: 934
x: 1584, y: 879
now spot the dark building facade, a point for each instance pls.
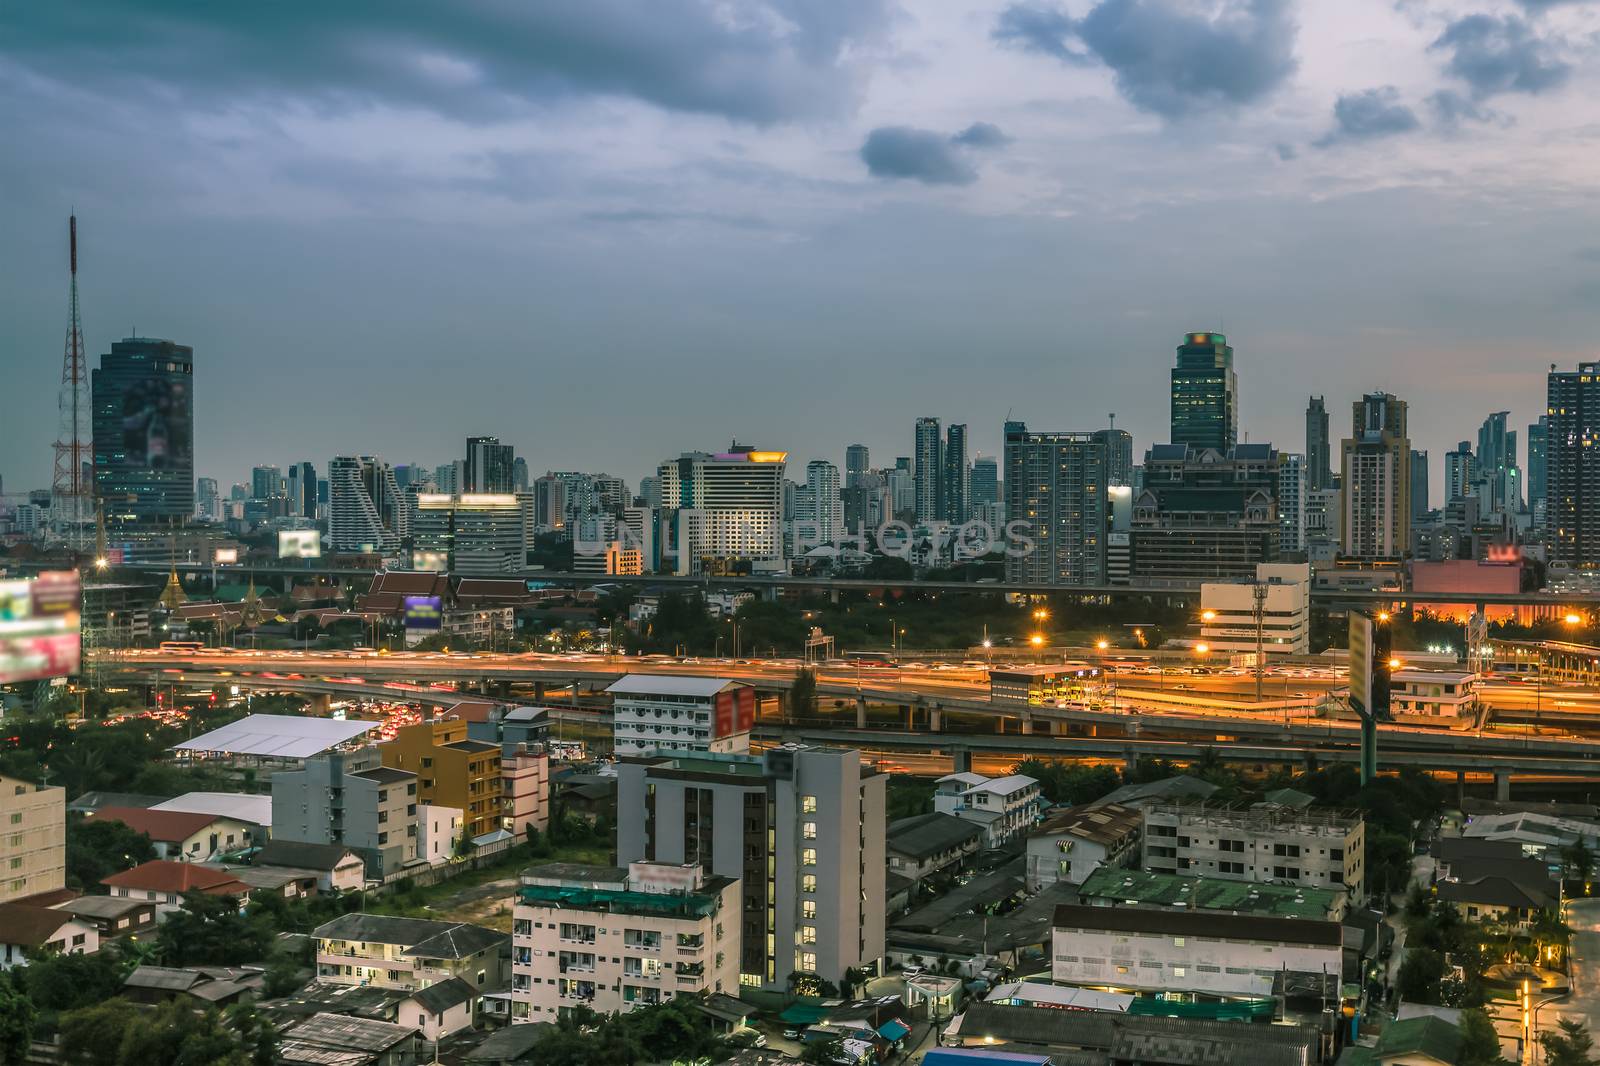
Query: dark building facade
x: 1319, y: 446
x: 1205, y: 393
x: 1205, y: 514
x: 953, y: 492
x: 143, y: 396
x: 488, y: 466
x: 1055, y: 493
x: 1572, y: 467
x: 1119, y: 455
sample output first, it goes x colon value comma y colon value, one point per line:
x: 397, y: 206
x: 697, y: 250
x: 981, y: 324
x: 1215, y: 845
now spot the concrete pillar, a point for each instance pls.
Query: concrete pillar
x: 911, y: 718
x: 538, y: 691
x: 576, y: 688
x: 1502, y: 785
x: 935, y: 719
x: 320, y: 702
x: 770, y: 594
x: 833, y: 596
x: 961, y: 760
x: 1027, y: 723
x: 1130, y: 758
x: 861, y: 712
x: 1461, y: 789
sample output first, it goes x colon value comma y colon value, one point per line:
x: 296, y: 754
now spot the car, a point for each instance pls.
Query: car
x: 911, y: 972
x: 794, y: 1033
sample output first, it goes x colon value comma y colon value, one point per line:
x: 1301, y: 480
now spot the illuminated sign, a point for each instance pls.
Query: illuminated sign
x: 424, y: 612
x: 39, y: 627
x: 225, y: 556
x: 438, y: 562
x: 299, y: 544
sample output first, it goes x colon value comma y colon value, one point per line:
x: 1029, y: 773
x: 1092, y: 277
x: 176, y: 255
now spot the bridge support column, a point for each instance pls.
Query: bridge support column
x: 911, y: 718
x: 935, y: 719
x: 320, y: 702
x: 1130, y: 759
x: 1502, y: 785
x: 833, y: 596
x: 1461, y: 789
x: 961, y: 761
x: 1311, y: 762
x: 770, y: 594
x: 538, y: 691
x: 861, y: 712
x: 1026, y: 724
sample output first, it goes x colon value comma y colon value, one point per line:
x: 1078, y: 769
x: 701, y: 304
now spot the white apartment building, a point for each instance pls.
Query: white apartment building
x: 33, y: 827
x: 1449, y: 694
x: 724, y: 508
x: 1318, y: 847
x: 366, y: 512
x: 1228, y: 612
x: 1133, y: 949
x: 667, y: 713
x: 1002, y: 806
x: 1292, y: 487
x: 613, y: 939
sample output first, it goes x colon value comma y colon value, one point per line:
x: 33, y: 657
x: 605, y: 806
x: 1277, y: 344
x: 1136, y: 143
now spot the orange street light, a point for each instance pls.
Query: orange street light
x: 1036, y: 640
x: 1041, y: 614
x: 1394, y: 664
x: 1208, y: 616
x: 1383, y: 616
x: 1103, y: 645
x: 1573, y: 618
x: 1201, y: 649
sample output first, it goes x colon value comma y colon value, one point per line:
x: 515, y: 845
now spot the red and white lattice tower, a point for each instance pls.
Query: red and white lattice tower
x: 71, y: 493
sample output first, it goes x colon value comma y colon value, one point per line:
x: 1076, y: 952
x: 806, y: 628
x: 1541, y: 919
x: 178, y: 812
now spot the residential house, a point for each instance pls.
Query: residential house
x: 926, y: 844
x: 440, y: 1009
x: 408, y: 953
x: 338, y: 1040
x: 1071, y: 845
x: 165, y: 883
x: 336, y: 867
x: 26, y: 928
x: 111, y: 916
x: 1003, y: 807
x: 183, y: 836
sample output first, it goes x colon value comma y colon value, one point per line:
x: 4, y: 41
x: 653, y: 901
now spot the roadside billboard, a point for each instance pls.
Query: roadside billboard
x: 299, y: 544
x: 424, y: 612
x: 735, y: 711
x: 39, y: 627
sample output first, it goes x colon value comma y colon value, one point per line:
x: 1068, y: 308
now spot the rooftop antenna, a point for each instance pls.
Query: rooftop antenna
x: 70, y: 491
x: 1113, y: 417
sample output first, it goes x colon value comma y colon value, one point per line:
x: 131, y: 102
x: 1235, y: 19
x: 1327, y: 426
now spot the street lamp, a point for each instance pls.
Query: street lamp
x: 1208, y: 616
x: 1573, y: 618
x: 1201, y: 649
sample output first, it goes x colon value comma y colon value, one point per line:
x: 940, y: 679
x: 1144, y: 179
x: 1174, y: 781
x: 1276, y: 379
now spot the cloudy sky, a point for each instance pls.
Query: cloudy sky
x: 612, y: 230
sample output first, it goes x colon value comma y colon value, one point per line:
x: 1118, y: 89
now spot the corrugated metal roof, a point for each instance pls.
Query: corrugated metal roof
x: 670, y: 685
x: 285, y: 736
x: 236, y: 805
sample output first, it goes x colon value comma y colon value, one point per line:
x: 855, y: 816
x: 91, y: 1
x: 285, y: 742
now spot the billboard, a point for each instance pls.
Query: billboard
x: 39, y: 627
x: 225, y: 556
x: 438, y: 562
x: 155, y: 424
x: 299, y: 544
x: 735, y: 711
x: 424, y: 612
x: 1369, y: 666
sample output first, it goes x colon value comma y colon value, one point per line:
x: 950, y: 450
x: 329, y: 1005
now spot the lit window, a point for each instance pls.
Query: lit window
x: 808, y: 857
x: 808, y: 908
x: 808, y: 883
x: 808, y: 830
x: 808, y: 805
x: 808, y: 934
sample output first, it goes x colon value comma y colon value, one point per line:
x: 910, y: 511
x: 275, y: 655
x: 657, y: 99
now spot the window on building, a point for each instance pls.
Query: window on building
x: 808, y: 805
x: 808, y: 857
x: 808, y: 830
x: 808, y: 883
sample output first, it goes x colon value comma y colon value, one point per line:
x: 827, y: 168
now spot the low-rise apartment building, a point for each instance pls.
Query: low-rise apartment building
x: 666, y: 713
x: 352, y: 799
x: 1003, y: 807
x: 1138, y: 950
x: 613, y: 939
x: 408, y: 953
x: 525, y: 788
x: 452, y: 770
x: 1447, y: 694
x: 1318, y: 847
x: 33, y: 827
x: 926, y: 844
x: 1075, y: 843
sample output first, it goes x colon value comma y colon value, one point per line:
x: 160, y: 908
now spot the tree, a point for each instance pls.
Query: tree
x: 1570, y: 1045
x: 1420, y: 974
x: 1548, y: 931
x: 61, y: 982
x: 210, y: 931
x: 803, y: 695
x: 1577, y: 863
x: 92, y: 1036
x: 852, y: 979
x: 1480, y: 1045
x: 98, y: 849
x: 822, y: 1051
x: 17, y: 1017
x: 1069, y: 783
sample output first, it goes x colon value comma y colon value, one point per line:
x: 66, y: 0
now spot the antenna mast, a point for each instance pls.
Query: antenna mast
x: 70, y: 491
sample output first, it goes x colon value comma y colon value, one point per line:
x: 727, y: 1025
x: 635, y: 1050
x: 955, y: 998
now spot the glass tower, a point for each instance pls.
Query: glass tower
x: 1205, y: 393
x: 143, y: 396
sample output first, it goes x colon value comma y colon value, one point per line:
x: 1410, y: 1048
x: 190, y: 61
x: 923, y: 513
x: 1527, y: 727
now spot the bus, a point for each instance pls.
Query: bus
x: 182, y: 647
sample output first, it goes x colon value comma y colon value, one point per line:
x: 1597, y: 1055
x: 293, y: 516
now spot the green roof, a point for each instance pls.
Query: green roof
x: 620, y: 901
x: 1289, y: 797
x: 803, y: 1014
x: 1207, y: 894
x: 1428, y: 1035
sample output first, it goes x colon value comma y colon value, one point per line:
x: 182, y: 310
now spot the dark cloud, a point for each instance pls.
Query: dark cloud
x: 982, y: 135
x: 1170, y: 57
x: 1452, y: 108
x: 1369, y: 114
x: 1038, y: 27
x: 921, y: 155
x: 1501, y: 55
x: 756, y: 60
x: 1286, y: 152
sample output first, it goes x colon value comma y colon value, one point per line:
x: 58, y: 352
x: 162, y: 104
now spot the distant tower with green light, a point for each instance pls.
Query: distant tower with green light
x: 1205, y: 393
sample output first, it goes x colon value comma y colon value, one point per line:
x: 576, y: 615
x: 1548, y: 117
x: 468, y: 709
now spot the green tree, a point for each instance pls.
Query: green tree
x: 822, y: 1051
x: 1548, y: 930
x: 92, y: 1035
x: 1420, y: 976
x: 851, y: 980
x: 211, y: 931
x: 1577, y: 863
x: 18, y: 1015
x: 803, y: 695
x: 98, y: 849
x: 1569, y: 1045
x: 1480, y: 1045
x: 1069, y: 783
x: 61, y: 982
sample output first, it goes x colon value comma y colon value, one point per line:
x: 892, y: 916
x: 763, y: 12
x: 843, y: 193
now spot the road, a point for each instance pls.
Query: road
x: 1583, y: 1004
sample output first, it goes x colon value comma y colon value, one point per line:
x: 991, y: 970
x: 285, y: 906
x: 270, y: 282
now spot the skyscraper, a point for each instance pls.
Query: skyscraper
x: 208, y: 504
x: 953, y: 489
x: 1572, y: 467
x: 929, y: 470
x: 1319, y: 453
x: 519, y: 474
x: 822, y: 490
x: 1460, y: 473
x: 1375, y: 502
x: 488, y: 466
x: 856, y: 464
x: 724, y: 508
x: 1419, y: 486
x: 1538, y: 435
x: 550, y: 503
x: 143, y: 400
x: 480, y: 534
x: 1056, y: 495
x: 365, y: 510
x: 1119, y: 455
x: 303, y: 490
x: 266, y: 482
x: 1205, y: 393
x: 1205, y: 514
x: 1499, y: 488
x: 985, y: 481
x: 1292, y: 490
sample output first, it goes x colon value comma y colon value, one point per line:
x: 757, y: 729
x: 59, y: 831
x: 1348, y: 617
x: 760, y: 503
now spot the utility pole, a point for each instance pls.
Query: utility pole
x: 1258, y: 595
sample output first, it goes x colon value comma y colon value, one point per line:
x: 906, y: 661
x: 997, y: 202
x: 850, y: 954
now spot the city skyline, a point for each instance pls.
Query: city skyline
x: 891, y: 198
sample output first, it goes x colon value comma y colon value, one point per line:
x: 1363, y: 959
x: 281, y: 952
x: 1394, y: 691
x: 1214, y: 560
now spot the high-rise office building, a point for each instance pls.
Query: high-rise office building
x: 802, y: 828
x: 1205, y: 514
x: 1460, y: 473
x: 902, y: 486
x: 1375, y: 498
x: 143, y: 399
x: 480, y: 534
x: 1119, y: 455
x: 266, y: 482
x: 1499, y: 480
x: 303, y: 490
x: 1538, y: 468
x: 450, y: 477
x: 1319, y: 452
x: 1055, y: 485
x: 549, y: 503
x: 650, y: 491
x: 1205, y: 393
x: 1292, y: 490
x: 519, y: 474
x: 929, y: 470
x: 953, y: 490
x: 488, y: 467
x: 208, y: 504
x: 1572, y: 467
x: 365, y: 510
x: 856, y: 464
x: 1419, y: 486
x: 985, y: 481
x: 825, y: 508
x: 723, y: 508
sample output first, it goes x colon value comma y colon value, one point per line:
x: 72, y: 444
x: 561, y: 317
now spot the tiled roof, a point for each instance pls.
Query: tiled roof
x: 172, y: 827
x: 300, y: 855
x: 160, y: 875
x: 29, y: 926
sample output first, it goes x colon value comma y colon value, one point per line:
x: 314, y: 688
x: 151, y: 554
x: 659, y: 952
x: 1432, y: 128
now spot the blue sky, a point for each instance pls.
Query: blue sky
x: 610, y: 231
